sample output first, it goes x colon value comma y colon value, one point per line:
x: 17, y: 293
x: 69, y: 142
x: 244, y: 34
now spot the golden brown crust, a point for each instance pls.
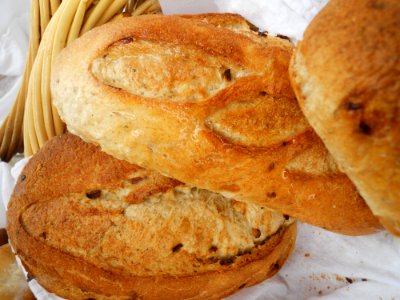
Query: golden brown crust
x: 244, y: 136
x: 230, y: 21
x: 346, y: 78
x: 240, y: 25
x: 74, y: 278
x: 80, y: 234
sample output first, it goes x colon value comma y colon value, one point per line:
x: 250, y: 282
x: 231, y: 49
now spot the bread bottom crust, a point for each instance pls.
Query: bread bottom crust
x: 73, y: 278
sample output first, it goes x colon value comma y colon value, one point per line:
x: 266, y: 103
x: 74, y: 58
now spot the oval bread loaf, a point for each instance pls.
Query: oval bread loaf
x: 210, y: 106
x: 87, y: 225
x: 347, y: 79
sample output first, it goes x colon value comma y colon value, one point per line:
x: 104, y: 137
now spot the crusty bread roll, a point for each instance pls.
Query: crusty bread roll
x: 87, y: 225
x: 346, y: 73
x: 13, y: 285
x: 210, y: 106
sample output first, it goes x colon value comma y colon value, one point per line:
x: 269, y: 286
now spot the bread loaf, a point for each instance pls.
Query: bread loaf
x: 347, y: 79
x: 209, y: 105
x: 87, y: 225
x: 13, y: 285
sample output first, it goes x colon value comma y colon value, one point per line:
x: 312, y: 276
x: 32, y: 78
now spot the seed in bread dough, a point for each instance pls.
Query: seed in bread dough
x: 177, y: 247
x: 93, y: 194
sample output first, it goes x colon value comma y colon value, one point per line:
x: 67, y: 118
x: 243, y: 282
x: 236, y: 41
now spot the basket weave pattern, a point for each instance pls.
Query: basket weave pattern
x: 54, y: 24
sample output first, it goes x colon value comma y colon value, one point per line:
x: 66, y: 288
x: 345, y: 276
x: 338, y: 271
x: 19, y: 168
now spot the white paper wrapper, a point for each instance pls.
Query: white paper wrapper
x: 323, y: 265
x: 286, y: 17
x: 14, y: 30
x: 170, y: 7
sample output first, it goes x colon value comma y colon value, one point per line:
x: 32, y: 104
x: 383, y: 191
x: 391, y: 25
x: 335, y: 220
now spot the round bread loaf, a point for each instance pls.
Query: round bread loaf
x: 346, y: 74
x: 87, y: 225
x: 210, y: 106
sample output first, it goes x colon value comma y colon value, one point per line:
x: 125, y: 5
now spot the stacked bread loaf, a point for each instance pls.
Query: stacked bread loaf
x: 209, y: 106
x: 190, y: 159
x: 347, y: 80
x: 107, y: 229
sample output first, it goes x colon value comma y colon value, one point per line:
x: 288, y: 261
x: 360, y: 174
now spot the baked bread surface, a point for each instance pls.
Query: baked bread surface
x: 209, y: 106
x: 87, y: 225
x: 346, y: 74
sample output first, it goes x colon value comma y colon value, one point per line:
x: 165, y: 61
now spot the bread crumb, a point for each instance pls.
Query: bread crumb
x: 306, y: 254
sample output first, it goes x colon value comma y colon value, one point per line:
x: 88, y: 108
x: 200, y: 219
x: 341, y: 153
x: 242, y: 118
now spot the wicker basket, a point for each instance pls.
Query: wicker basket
x: 33, y: 120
